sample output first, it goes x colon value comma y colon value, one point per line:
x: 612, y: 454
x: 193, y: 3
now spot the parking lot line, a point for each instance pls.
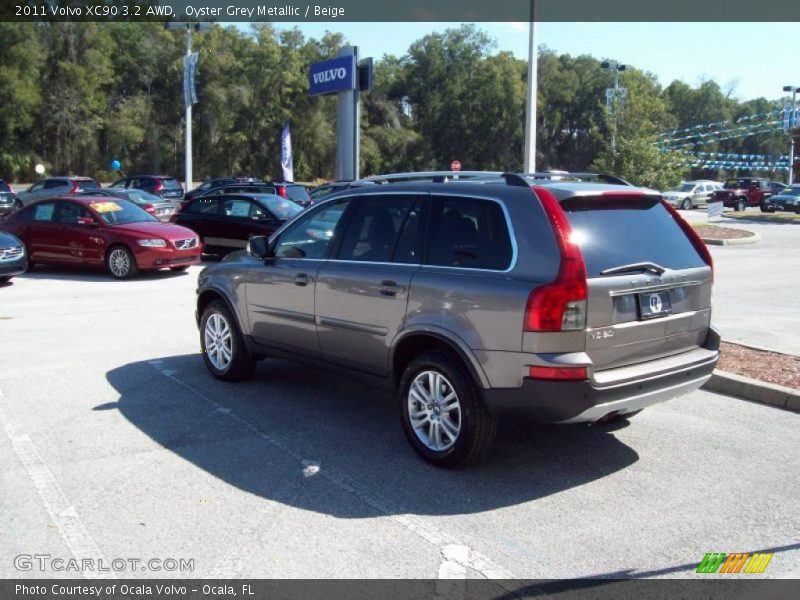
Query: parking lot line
x: 80, y: 543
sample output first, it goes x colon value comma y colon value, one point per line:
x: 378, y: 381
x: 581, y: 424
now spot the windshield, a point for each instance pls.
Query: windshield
x: 119, y: 212
x: 686, y: 187
x: 281, y: 208
x: 170, y: 183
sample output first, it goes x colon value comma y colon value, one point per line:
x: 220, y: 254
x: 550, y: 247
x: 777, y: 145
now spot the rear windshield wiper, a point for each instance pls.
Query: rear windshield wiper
x: 633, y: 267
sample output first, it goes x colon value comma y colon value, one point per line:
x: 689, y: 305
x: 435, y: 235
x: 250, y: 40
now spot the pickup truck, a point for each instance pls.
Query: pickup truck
x: 740, y: 192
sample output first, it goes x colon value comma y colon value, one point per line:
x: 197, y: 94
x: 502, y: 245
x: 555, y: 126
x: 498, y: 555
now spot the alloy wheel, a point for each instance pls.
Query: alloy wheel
x: 218, y: 341
x: 434, y: 410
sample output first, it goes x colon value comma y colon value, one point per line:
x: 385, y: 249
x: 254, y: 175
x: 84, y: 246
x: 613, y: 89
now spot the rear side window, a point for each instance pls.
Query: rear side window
x: 87, y: 184
x: 468, y: 233
x: 615, y: 232
x: 55, y: 183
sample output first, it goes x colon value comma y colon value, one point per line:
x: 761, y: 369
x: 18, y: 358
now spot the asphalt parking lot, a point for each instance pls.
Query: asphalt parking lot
x: 117, y: 443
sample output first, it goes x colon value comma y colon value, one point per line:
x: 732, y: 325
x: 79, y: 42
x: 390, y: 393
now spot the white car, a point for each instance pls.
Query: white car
x: 692, y: 194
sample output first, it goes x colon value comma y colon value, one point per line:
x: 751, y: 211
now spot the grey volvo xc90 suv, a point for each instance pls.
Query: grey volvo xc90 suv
x: 570, y: 301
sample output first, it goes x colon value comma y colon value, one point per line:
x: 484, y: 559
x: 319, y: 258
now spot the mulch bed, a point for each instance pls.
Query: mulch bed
x: 712, y: 232
x: 773, y: 367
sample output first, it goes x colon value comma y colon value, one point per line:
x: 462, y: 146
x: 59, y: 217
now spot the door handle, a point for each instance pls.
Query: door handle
x: 301, y: 279
x: 390, y: 288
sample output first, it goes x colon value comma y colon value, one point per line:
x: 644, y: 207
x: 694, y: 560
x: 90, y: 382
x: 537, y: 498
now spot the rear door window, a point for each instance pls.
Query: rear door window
x: 469, y: 233
x: 297, y: 193
x: 614, y: 232
x: 375, y: 227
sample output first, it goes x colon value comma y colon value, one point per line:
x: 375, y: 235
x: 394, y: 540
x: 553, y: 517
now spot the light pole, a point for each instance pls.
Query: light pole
x: 612, y: 97
x: 530, y: 104
x: 198, y: 27
x: 792, y: 124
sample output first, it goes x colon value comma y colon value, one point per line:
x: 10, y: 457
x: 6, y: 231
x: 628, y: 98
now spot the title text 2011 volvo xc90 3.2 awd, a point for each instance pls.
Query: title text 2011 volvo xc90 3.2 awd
x: 570, y: 301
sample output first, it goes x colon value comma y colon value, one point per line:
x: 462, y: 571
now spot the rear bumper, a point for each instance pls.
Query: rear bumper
x: 586, y: 401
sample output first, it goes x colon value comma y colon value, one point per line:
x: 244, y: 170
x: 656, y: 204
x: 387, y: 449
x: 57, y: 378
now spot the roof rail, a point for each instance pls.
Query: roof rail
x: 434, y: 176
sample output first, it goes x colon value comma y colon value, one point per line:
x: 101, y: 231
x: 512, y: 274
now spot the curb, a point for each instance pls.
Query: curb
x: 761, y: 218
x: 754, y: 390
x: 752, y: 239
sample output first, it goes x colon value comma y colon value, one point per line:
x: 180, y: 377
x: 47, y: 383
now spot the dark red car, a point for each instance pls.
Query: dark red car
x: 98, y: 231
x: 225, y: 222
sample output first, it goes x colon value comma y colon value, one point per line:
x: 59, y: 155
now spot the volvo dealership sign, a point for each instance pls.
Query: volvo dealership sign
x: 331, y: 76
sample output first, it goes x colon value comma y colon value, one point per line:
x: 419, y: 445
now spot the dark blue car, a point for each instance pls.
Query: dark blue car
x: 13, y: 259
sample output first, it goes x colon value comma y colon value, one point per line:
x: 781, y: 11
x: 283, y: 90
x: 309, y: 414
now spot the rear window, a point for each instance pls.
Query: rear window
x: 615, y: 232
x: 87, y: 184
x: 297, y: 192
x: 170, y: 184
x: 738, y: 183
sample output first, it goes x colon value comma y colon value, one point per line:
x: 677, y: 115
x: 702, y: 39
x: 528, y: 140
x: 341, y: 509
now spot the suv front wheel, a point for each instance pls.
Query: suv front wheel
x: 444, y: 417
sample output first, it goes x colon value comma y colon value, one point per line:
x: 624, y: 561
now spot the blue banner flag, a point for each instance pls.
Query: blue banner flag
x: 189, y: 71
x: 286, y: 154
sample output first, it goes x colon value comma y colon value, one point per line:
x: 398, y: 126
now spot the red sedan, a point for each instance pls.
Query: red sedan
x: 97, y: 231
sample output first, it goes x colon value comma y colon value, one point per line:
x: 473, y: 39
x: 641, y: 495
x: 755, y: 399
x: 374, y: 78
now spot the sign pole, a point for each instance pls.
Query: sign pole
x: 530, y: 106
x: 347, y: 111
x: 188, y: 148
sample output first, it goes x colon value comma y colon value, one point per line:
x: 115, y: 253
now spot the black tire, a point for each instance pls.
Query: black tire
x: 687, y: 204
x: 179, y: 269
x: 240, y: 365
x: 477, y: 426
x: 741, y: 205
x: 4, y: 279
x: 116, y: 264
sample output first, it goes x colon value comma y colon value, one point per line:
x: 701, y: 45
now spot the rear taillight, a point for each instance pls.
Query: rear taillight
x: 150, y: 208
x: 690, y: 232
x: 75, y: 188
x: 571, y: 373
x: 560, y: 305
x: 282, y: 191
x: 159, y: 186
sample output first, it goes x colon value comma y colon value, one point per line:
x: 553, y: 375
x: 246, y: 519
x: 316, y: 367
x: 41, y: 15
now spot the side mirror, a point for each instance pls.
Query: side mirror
x: 258, y: 246
x: 88, y: 221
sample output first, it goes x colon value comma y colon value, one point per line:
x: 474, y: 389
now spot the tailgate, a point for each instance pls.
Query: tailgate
x: 649, y: 286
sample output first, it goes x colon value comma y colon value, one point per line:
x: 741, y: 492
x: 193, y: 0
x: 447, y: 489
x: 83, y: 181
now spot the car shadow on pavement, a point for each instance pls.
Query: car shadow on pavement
x: 270, y: 434
x: 92, y: 275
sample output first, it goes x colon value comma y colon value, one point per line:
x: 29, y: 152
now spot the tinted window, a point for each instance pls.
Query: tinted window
x: 613, y: 232
x: 469, y: 233
x: 4, y: 187
x: 68, y: 213
x: 44, y: 212
x: 203, y: 206
x: 297, y: 192
x: 311, y: 234
x: 375, y: 227
x: 120, y: 183
x: 410, y: 244
x: 54, y: 183
x: 37, y: 186
x: 87, y: 184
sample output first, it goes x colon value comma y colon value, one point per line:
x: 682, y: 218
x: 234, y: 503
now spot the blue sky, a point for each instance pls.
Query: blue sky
x: 756, y: 59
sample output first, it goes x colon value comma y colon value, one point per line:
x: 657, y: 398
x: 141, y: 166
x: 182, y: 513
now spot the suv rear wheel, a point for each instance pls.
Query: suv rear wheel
x: 223, y: 348
x: 443, y: 414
